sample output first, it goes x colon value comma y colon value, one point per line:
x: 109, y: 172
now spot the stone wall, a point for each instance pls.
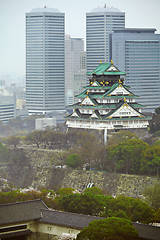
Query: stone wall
x: 41, y: 173
x: 114, y: 184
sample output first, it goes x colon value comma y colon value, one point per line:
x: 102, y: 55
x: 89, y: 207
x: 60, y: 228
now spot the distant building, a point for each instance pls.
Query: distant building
x: 99, y: 23
x: 107, y: 104
x: 83, y: 61
x: 42, y: 123
x: 7, y: 108
x: 137, y: 52
x: 45, y: 67
x: 73, y: 49
x: 80, y: 76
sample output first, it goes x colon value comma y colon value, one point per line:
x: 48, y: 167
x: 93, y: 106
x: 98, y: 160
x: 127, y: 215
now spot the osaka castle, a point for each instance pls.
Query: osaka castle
x: 107, y: 103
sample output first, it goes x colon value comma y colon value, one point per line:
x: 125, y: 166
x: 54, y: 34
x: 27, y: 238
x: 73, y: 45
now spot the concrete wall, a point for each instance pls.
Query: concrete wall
x: 44, y: 231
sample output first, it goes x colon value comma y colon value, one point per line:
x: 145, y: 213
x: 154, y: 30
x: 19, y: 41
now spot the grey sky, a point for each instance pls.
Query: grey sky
x: 139, y: 13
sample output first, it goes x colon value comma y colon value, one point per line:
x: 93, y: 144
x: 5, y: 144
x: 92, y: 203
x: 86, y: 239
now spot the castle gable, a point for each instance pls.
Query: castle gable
x: 125, y: 110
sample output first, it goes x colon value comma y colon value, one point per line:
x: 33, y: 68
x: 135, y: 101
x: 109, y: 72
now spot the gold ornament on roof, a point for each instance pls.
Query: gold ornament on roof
x: 111, y: 61
x: 125, y: 99
x: 100, y: 61
x: 120, y: 81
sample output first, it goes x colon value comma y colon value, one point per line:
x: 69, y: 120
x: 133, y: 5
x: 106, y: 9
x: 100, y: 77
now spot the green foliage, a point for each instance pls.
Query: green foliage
x: 64, y: 191
x: 157, y: 216
x: 18, y: 156
x: 134, y: 208
x: 17, y: 196
x: 157, y: 110
x: 86, y: 203
x: 152, y: 195
x: 126, y: 156
x: 4, y: 154
x: 35, y: 137
x: 94, y: 190
x: 73, y: 161
x: 154, y: 124
x: 156, y: 134
x: 13, y: 141
x: 151, y: 160
x: 120, y: 137
x: 109, y: 228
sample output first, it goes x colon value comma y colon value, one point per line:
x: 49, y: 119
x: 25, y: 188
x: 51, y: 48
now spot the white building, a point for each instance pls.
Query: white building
x: 45, y: 42
x: 7, y: 108
x: 42, y: 123
x: 99, y: 23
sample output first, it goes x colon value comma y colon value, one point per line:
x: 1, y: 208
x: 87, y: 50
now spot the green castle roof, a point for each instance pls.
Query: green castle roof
x: 106, y: 69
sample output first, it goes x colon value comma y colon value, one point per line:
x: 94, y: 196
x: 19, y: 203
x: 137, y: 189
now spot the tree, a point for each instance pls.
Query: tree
x: 135, y: 209
x: 73, y: 161
x: 35, y: 137
x: 152, y: 195
x: 86, y: 203
x: 13, y: 140
x: 64, y: 191
x: 4, y: 154
x: 157, y: 110
x: 94, y: 190
x: 151, y: 160
x: 109, y: 228
x: 121, y: 136
x: 127, y: 155
x: 154, y: 124
x: 18, y: 156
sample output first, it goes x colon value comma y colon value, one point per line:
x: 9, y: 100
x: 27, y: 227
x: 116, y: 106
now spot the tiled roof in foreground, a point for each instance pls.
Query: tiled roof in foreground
x: 38, y: 211
x: 67, y: 219
x: 21, y: 211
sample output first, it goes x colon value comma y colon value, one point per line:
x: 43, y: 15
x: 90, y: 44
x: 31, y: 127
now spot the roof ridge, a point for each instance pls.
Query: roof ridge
x: 54, y: 210
x: 22, y: 202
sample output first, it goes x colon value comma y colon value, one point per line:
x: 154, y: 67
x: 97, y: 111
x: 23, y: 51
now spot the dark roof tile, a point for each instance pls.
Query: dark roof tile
x: 74, y: 220
x: 21, y: 211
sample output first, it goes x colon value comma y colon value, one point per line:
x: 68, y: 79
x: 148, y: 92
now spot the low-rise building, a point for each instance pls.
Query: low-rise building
x: 42, y: 123
x: 33, y: 220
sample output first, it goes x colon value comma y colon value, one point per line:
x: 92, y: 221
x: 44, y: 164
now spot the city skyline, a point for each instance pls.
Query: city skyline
x: 12, y: 23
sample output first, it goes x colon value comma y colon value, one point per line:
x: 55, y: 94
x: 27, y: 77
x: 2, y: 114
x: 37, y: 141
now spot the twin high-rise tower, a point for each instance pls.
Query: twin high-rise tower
x: 45, y: 67
x: 100, y: 22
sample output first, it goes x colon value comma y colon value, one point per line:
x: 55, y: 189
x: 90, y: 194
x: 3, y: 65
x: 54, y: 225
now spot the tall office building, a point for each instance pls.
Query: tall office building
x: 45, y: 67
x: 73, y: 49
x: 99, y: 23
x: 137, y: 52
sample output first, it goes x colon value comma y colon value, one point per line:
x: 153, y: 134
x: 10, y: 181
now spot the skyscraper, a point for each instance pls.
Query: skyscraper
x: 99, y: 23
x: 137, y: 52
x: 45, y: 68
x: 73, y: 49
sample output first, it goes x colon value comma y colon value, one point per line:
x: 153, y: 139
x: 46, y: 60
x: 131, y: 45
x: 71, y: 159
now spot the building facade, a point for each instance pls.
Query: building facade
x: 73, y: 49
x: 45, y: 66
x: 80, y: 76
x: 107, y: 104
x: 137, y: 52
x: 7, y: 108
x: 99, y: 23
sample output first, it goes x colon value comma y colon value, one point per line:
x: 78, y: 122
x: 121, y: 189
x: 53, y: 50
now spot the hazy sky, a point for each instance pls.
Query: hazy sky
x: 139, y: 13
